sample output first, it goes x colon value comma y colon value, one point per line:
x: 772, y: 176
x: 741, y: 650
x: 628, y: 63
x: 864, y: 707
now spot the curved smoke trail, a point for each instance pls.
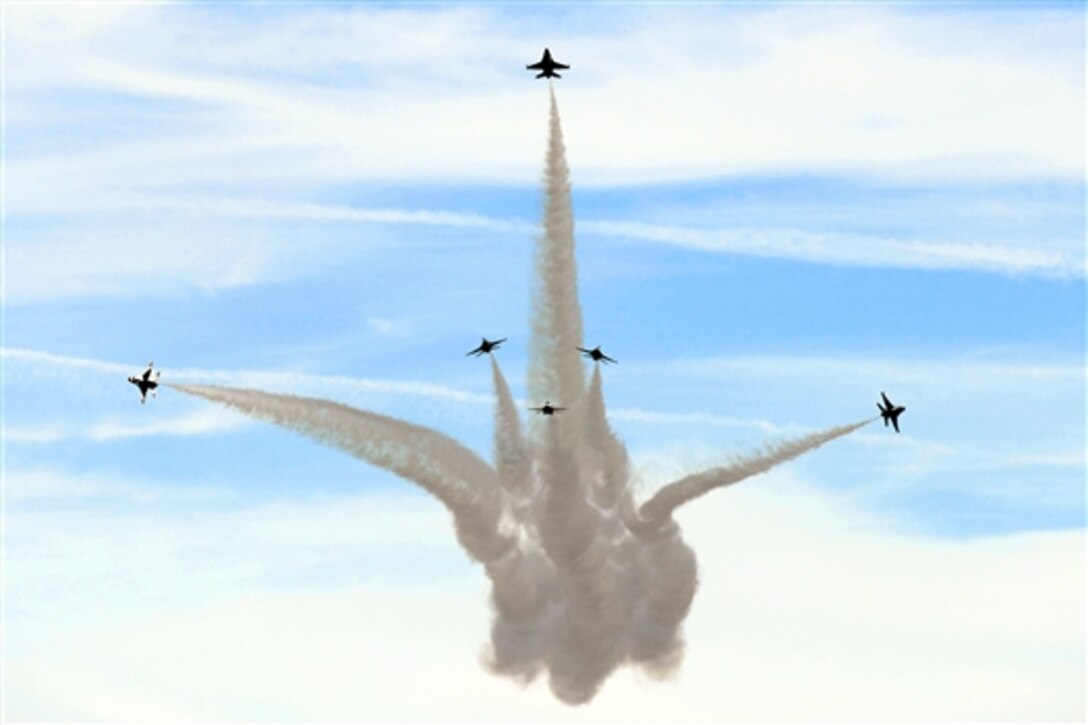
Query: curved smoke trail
x: 455, y: 475
x: 676, y: 494
x: 583, y: 579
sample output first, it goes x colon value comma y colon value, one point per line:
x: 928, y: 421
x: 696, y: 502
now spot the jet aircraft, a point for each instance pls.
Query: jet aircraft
x: 486, y: 346
x: 547, y: 66
x: 889, y: 411
x: 146, y: 382
x: 596, y: 354
x: 547, y: 409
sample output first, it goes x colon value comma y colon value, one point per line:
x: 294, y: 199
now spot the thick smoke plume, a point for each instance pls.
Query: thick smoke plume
x: 583, y: 579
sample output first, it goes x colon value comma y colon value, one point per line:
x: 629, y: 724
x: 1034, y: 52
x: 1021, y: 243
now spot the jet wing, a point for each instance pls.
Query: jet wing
x: 560, y: 66
x: 605, y: 357
x: 539, y: 65
x: 887, y: 402
x: 895, y: 423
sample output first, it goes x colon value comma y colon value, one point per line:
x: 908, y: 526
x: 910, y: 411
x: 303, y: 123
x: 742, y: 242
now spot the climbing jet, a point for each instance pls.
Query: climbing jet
x: 547, y: 409
x: 889, y: 411
x: 547, y: 66
x: 486, y: 346
x: 146, y: 382
x: 596, y: 354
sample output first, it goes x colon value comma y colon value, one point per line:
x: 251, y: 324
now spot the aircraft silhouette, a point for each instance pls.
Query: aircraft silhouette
x: 597, y: 355
x: 547, y: 66
x: 889, y: 411
x: 486, y: 346
x: 146, y: 382
x: 547, y: 409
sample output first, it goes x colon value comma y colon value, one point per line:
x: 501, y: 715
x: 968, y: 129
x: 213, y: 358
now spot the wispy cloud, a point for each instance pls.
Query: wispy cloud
x: 855, y: 249
x: 636, y: 415
x: 198, y: 119
x: 955, y: 110
x: 221, y: 253
x: 200, y: 422
x: 969, y: 371
x: 64, y: 488
x: 274, y: 380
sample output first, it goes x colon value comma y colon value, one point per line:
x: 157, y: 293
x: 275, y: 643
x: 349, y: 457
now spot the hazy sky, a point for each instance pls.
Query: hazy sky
x: 780, y: 211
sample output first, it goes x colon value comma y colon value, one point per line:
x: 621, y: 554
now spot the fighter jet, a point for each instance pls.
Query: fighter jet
x: 889, y: 411
x: 146, y: 382
x: 547, y: 409
x: 547, y: 66
x: 486, y: 346
x: 596, y: 354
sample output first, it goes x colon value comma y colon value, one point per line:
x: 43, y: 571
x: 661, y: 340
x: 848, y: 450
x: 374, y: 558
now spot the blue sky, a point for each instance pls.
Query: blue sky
x: 780, y: 211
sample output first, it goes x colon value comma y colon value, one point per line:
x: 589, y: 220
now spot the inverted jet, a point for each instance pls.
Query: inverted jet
x: 486, y: 346
x: 596, y: 355
x: 890, y: 412
x: 547, y: 409
x: 146, y: 382
x: 547, y: 66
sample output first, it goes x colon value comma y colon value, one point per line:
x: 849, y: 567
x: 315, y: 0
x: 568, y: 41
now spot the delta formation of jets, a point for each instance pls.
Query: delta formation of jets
x: 547, y: 66
x: 146, y: 382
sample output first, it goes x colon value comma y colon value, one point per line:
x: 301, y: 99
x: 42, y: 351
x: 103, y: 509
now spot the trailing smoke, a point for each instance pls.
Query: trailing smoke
x: 670, y: 497
x: 583, y: 579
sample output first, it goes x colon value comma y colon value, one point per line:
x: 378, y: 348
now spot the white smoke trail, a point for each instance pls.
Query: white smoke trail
x: 513, y: 460
x: 668, y: 499
x: 583, y: 580
x: 455, y: 475
x: 555, y: 368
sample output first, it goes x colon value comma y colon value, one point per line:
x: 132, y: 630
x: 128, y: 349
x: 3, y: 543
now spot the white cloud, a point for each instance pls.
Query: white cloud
x: 806, y: 610
x: 138, y: 261
x: 973, y: 371
x: 734, y: 91
x: 43, y: 485
x: 1052, y: 258
x: 199, y: 422
x: 636, y: 415
x: 213, y: 115
x: 385, y: 327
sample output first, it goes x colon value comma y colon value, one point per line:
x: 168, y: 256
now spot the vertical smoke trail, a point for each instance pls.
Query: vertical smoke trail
x: 555, y: 369
x: 660, y: 507
x: 579, y: 658
x: 522, y: 581
x: 452, y: 473
x: 585, y: 644
x: 609, y: 462
x: 512, y: 456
